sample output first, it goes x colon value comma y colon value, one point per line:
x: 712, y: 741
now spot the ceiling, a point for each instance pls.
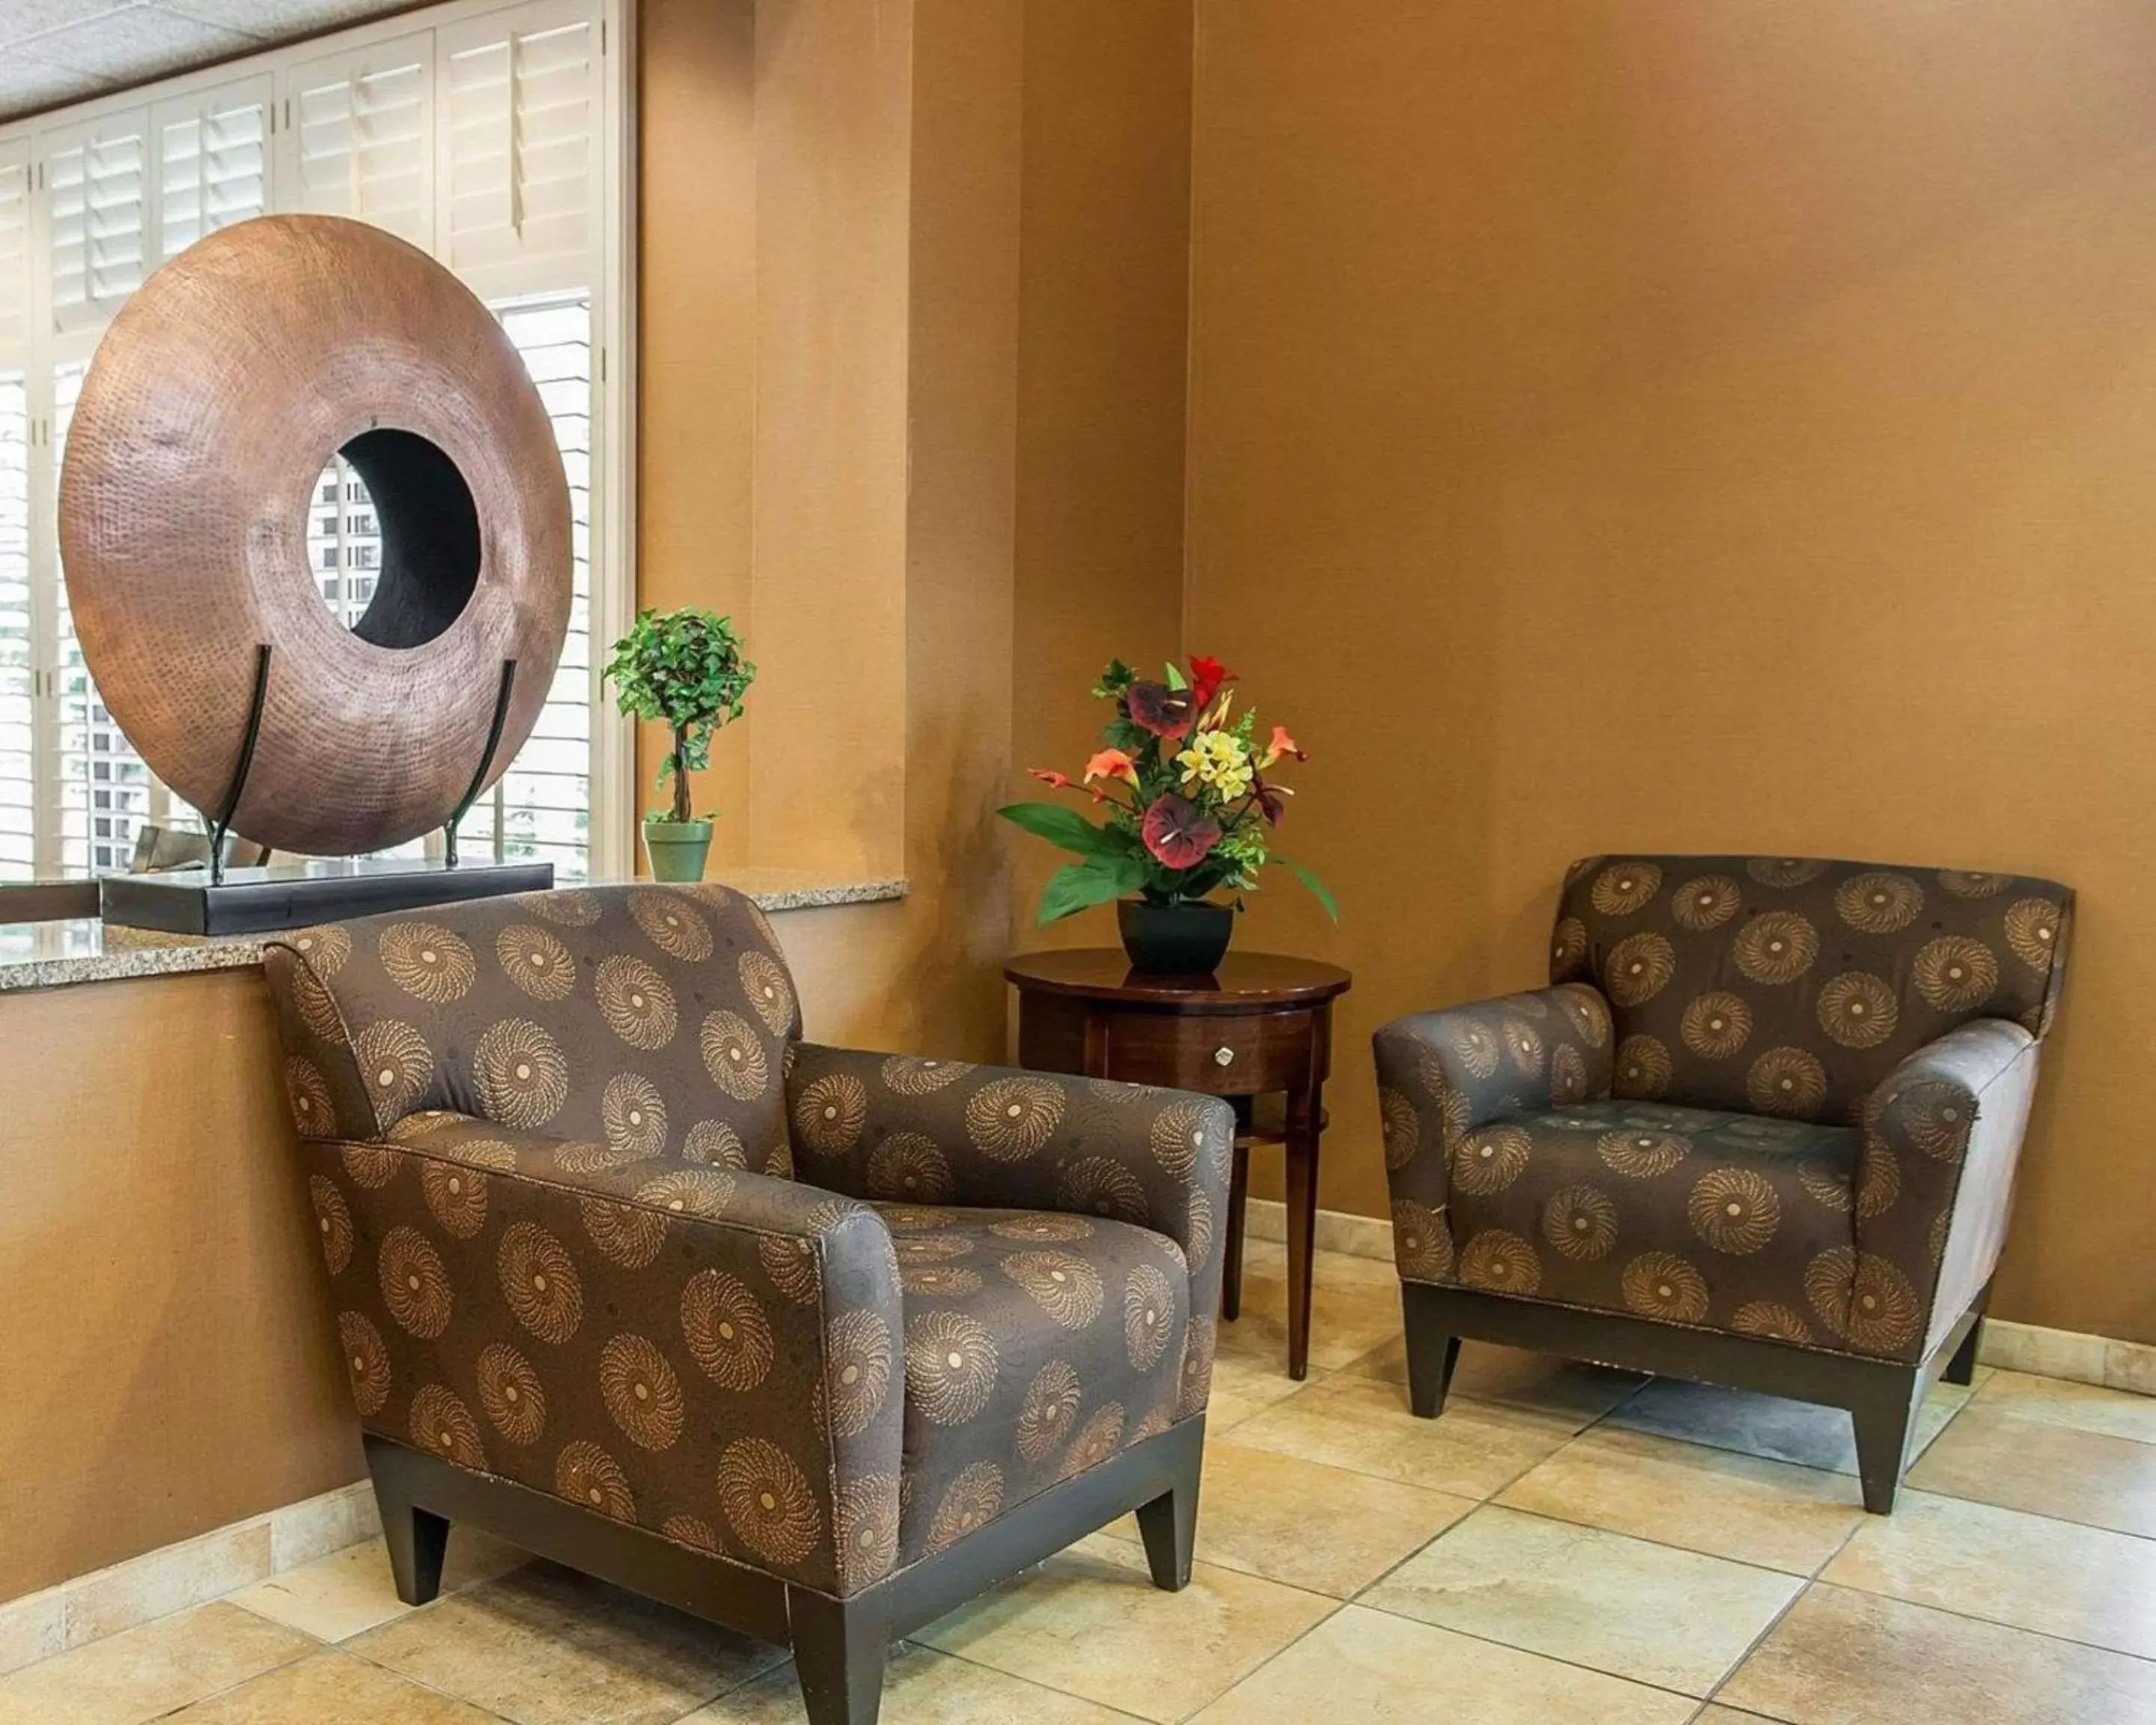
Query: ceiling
x: 57, y: 51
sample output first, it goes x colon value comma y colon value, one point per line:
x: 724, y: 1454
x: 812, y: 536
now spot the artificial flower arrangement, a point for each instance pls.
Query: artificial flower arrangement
x: 1189, y: 806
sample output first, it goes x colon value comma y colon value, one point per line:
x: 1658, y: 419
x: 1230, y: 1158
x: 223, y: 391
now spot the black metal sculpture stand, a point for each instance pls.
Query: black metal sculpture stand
x: 258, y: 900
x: 221, y: 821
x: 485, y: 761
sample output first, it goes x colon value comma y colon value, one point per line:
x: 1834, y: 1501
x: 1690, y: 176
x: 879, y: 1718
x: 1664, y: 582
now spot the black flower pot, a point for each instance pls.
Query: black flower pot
x: 1175, y: 940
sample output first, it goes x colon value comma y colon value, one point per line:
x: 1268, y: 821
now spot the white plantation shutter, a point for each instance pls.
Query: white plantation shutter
x: 18, y: 689
x: 540, y: 809
x: 16, y: 322
x: 97, y: 201
x: 476, y: 131
x: 212, y: 160
x: 104, y: 789
x: 362, y: 137
x: 518, y: 153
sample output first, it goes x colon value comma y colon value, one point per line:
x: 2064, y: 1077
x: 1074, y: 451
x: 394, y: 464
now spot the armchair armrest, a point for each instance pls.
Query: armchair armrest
x: 711, y: 1354
x: 1442, y: 1075
x: 1942, y: 1137
x: 898, y: 1129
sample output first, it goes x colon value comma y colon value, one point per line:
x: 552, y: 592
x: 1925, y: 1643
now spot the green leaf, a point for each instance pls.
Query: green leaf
x: 1066, y: 829
x: 1079, y: 887
x: 1175, y: 679
x: 1324, y: 895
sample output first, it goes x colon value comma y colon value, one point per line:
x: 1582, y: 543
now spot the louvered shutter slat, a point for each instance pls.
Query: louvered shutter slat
x: 15, y: 330
x: 17, y: 735
x: 213, y: 161
x: 365, y: 141
x: 96, y: 211
x: 517, y: 150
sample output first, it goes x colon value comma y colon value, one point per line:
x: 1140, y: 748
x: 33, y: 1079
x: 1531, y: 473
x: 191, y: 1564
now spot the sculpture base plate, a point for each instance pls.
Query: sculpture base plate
x: 299, y: 894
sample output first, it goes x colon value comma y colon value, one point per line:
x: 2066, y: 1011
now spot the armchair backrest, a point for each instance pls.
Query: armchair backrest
x: 1794, y: 985
x: 644, y: 1019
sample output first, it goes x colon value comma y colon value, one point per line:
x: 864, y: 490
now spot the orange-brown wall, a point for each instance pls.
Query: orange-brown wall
x: 170, y: 1367
x: 696, y: 351
x: 1709, y: 427
x: 1105, y: 264
x: 828, y: 343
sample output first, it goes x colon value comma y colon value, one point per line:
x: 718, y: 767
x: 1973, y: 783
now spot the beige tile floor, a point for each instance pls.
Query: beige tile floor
x: 1567, y: 1544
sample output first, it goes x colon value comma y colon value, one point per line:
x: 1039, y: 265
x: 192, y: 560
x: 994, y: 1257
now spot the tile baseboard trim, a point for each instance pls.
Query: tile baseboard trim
x: 1337, y: 1230
x: 2069, y: 1354
x: 2014, y: 1347
x: 72, y: 1613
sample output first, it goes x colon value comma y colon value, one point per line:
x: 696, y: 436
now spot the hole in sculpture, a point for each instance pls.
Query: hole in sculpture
x: 392, y: 538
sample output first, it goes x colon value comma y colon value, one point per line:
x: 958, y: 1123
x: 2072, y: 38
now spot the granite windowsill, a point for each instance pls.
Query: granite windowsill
x: 51, y: 954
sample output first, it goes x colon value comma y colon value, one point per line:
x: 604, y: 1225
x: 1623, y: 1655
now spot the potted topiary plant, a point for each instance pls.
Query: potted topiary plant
x: 685, y: 670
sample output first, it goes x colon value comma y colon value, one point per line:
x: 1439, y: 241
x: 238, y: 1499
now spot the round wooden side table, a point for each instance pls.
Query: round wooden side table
x: 1260, y: 1025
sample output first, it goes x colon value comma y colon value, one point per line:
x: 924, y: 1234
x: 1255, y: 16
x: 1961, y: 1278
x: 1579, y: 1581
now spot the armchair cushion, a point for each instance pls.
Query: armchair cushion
x: 1684, y: 1215
x: 708, y: 1353
x: 947, y: 1132
x: 1037, y: 1345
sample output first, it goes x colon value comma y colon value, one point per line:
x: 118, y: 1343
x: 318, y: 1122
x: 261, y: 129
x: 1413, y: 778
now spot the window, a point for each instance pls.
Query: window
x: 477, y: 131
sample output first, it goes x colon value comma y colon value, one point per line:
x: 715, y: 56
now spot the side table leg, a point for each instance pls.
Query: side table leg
x: 1304, y: 1111
x: 1231, y: 1260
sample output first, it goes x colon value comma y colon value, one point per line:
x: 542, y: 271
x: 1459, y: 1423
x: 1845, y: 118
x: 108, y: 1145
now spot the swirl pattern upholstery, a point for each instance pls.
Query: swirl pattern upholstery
x: 1775, y: 1098
x: 597, y: 1222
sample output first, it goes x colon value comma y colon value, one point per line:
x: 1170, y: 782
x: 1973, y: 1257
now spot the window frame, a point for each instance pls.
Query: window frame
x: 611, y: 271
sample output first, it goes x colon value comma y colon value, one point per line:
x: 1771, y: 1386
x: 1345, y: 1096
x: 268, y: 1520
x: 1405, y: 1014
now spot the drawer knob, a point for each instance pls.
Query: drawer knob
x: 1224, y: 1056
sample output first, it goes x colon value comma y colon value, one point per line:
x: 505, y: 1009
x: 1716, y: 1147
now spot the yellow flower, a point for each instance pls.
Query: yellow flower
x: 1219, y: 759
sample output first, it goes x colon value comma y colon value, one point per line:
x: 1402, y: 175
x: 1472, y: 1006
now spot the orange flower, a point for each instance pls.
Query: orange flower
x: 1111, y: 763
x: 1049, y: 776
x: 1281, y: 744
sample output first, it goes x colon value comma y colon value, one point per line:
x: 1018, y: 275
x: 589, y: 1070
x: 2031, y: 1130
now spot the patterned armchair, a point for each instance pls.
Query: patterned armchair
x: 1761, y: 1130
x: 812, y: 1342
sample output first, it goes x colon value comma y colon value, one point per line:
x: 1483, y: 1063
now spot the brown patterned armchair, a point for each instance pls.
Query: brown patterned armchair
x: 1761, y: 1130
x: 811, y: 1342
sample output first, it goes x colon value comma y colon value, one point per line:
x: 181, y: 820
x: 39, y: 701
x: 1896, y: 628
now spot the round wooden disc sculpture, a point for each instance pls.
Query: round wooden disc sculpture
x: 193, y: 462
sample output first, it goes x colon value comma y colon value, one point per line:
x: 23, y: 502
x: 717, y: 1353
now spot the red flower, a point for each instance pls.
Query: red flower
x: 1049, y: 776
x: 1207, y: 675
x: 1179, y: 831
x: 1164, y: 711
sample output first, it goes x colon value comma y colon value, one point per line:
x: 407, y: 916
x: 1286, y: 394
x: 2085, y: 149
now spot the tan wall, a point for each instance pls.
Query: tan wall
x: 1105, y: 267
x: 696, y: 352
x: 1696, y: 426
x: 834, y: 268
x: 168, y: 1368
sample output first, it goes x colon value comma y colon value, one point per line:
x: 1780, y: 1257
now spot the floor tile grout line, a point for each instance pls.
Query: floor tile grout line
x: 1800, y: 1576
x: 1293, y: 1641
x: 1036, y: 1683
x: 226, y: 1688
x: 1880, y: 1593
x: 1491, y: 1640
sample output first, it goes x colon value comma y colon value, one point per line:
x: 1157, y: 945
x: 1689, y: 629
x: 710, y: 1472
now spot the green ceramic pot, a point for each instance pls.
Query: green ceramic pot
x: 677, y: 847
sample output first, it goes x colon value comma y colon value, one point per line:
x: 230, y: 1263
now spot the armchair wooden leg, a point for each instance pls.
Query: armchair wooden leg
x: 1962, y: 1368
x: 840, y: 1649
x: 418, y: 1538
x: 1169, y: 1525
x: 1433, y: 1351
x: 1885, y: 1415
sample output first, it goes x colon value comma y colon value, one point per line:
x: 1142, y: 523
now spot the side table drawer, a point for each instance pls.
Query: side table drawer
x: 1229, y: 1055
